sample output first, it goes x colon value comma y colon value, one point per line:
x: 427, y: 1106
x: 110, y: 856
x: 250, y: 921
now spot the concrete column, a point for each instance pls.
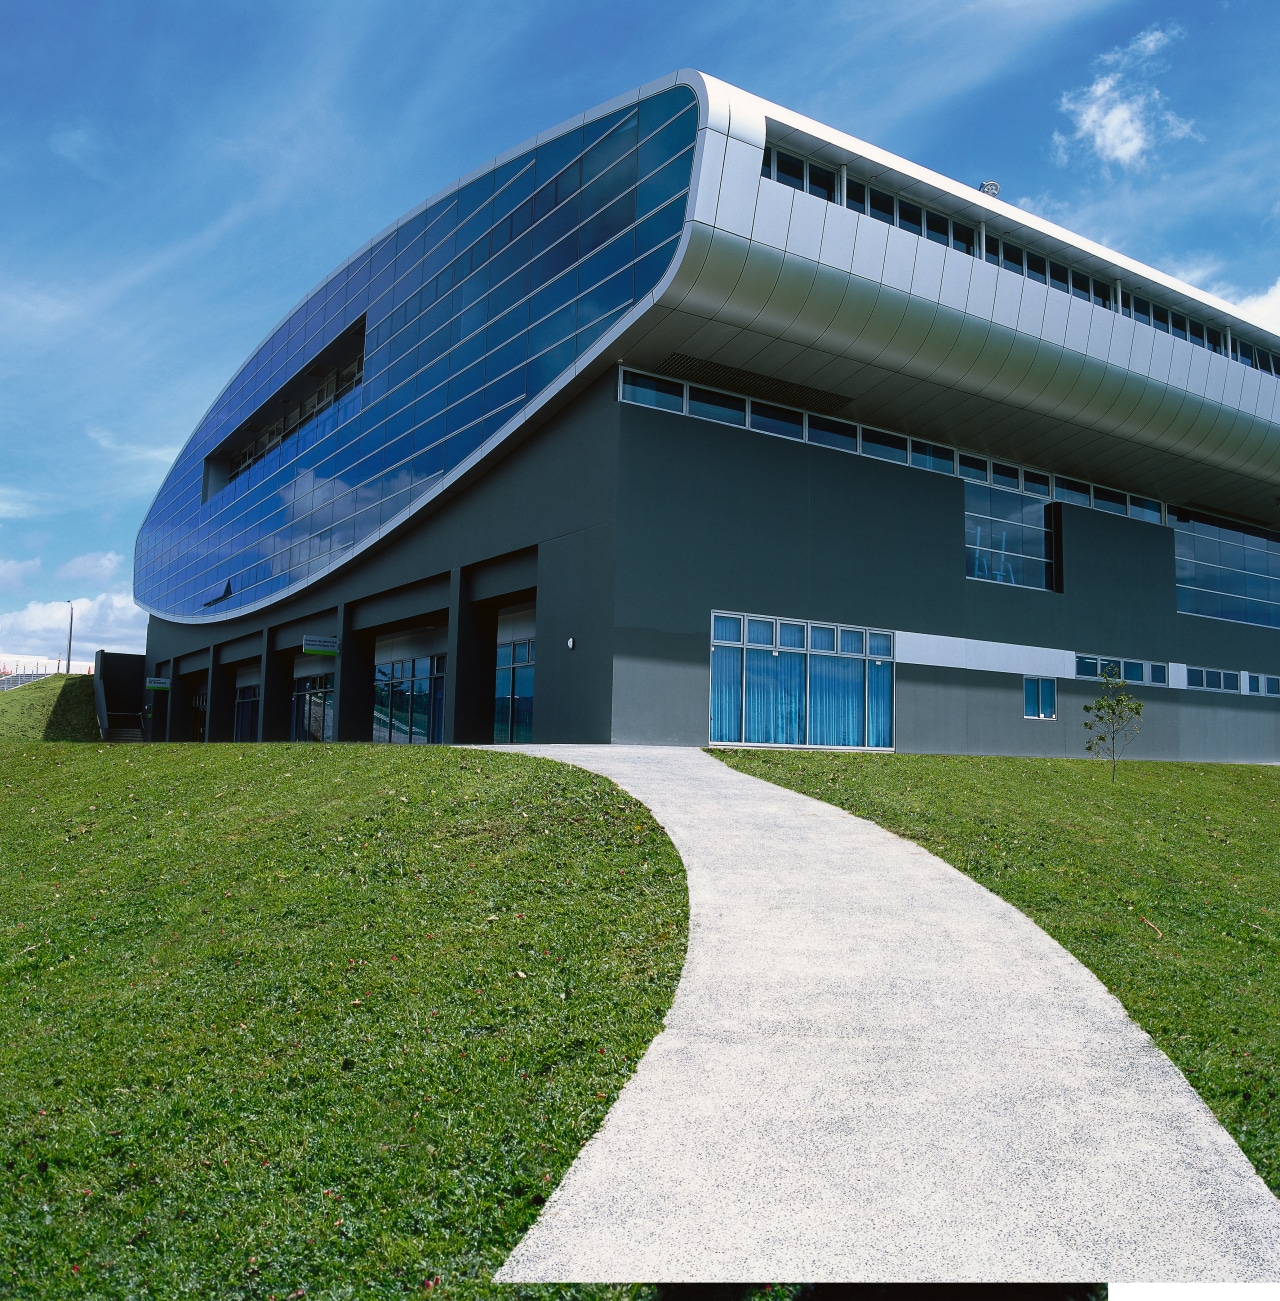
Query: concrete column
x: 220, y: 719
x: 353, y: 681
x: 276, y: 692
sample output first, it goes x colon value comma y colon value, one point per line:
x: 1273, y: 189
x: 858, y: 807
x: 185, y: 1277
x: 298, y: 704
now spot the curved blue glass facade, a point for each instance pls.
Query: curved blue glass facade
x: 421, y: 347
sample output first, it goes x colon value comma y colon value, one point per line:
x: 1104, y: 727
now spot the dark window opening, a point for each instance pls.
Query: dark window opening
x: 1215, y: 340
x: 1102, y: 294
x: 1037, y: 270
x: 910, y: 217
x: 993, y: 250
x: 1058, y: 276
x: 1126, y: 304
x: 1141, y: 310
x: 791, y: 170
x: 245, y: 724
x: 513, y: 691
x: 822, y: 182
x: 1012, y: 257
x: 1197, y: 334
x: 855, y: 196
x: 937, y: 228
x: 1005, y: 476
x: 882, y: 206
x: 833, y: 433
x: 973, y: 467
x: 1109, y: 500
x: 963, y: 238
x: 1179, y: 326
x: 1079, y: 286
x: 888, y: 447
x: 408, y: 701
x: 1160, y: 318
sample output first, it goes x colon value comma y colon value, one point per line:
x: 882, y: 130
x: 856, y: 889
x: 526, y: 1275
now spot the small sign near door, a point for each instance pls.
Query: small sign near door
x: 157, y: 684
x: 320, y: 645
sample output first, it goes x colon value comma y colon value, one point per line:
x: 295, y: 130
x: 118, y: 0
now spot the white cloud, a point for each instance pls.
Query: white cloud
x: 131, y: 451
x: 92, y: 567
x: 80, y: 147
x: 1263, y: 309
x: 15, y: 503
x: 13, y: 573
x: 109, y: 621
x: 1120, y: 115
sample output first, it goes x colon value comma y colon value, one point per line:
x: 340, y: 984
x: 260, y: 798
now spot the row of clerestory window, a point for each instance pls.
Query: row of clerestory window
x: 826, y: 183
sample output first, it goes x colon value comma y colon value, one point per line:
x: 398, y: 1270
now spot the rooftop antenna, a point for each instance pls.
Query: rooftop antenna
x: 990, y: 188
x: 71, y: 623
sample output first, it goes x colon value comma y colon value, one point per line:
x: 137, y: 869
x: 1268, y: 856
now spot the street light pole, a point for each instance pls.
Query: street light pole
x: 70, y: 626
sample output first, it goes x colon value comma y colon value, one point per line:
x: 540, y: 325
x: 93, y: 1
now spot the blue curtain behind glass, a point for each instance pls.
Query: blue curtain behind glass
x: 774, y: 704
x: 880, y: 703
x: 837, y: 701
x: 726, y: 693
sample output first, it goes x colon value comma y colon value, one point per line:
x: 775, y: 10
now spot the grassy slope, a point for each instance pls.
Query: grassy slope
x: 262, y: 1022
x: 1192, y: 849
x: 56, y: 708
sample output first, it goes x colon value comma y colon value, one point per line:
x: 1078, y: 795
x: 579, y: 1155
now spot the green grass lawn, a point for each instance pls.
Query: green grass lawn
x: 1166, y: 885
x: 56, y: 708
x: 333, y: 1018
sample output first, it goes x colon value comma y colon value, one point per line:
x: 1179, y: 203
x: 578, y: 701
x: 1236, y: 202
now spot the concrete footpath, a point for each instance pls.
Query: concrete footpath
x: 874, y: 1069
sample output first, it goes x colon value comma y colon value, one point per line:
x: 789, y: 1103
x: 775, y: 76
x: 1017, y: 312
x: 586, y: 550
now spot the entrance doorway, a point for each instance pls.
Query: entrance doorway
x: 513, y: 681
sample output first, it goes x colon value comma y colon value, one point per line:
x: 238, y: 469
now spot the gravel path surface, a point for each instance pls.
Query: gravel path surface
x: 874, y: 1069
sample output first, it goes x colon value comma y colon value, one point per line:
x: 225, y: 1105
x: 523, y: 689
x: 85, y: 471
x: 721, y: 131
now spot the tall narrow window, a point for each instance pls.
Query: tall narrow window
x: 855, y: 195
x: 882, y: 206
x: 246, y: 716
x: 910, y: 217
x: 822, y: 182
x: 513, y: 678
x: 1040, y: 698
x: 936, y: 227
x: 790, y: 170
x: 1009, y: 538
x: 312, y: 708
x: 963, y: 238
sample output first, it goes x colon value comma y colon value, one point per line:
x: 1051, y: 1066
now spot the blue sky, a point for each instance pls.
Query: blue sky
x: 176, y: 176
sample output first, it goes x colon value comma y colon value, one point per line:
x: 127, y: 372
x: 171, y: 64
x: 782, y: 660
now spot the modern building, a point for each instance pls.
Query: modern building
x: 693, y: 420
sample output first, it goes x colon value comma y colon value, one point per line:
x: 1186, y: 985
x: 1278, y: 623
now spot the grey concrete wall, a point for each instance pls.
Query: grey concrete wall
x: 711, y: 517
x: 554, y: 493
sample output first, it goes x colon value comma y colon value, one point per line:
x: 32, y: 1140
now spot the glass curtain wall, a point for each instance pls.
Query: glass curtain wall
x: 312, y: 718
x: 1009, y: 537
x: 473, y: 307
x: 783, y: 682
x: 246, y: 713
x: 1226, y: 570
x: 513, y: 693
x: 408, y: 701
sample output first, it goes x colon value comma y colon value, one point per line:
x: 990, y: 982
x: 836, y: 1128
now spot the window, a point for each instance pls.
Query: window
x: 1226, y: 570
x: 1141, y: 310
x: 1132, y: 672
x: 1037, y: 269
x: 993, y: 250
x: 1058, y: 276
x: 1009, y: 538
x: 822, y: 182
x: 408, y: 701
x: 1213, y: 680
x: 1079, y: 286
x: 1035, y: 483
x: 766, y: 165
x: 855, y: 195
x: 777, y: 420
x: 882, y: 206
x: 513, y: 692
x: 771, y: 690
x: 886, y: 446
x: 973, y: 467
x: 929, y: 456
x: 724, y: 407
x: 246, y: 713
x: 1071, y: 490
x: 1006, y: 476
x: 1040, y: 698
x: 910, y: 217
x: 790, y: 170
x: 1102, y: 294
x: 650, y: 391
x: 1144, y: 508
x: 1197, y: 334
x: 1109, y: 500
x: 937, y: 228
x: 1160, y: 318
x: 833, y: 433
x: 1179, y: 326
x: 963, y: 238
x: 312, y: 715
x: 1012, y: 257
